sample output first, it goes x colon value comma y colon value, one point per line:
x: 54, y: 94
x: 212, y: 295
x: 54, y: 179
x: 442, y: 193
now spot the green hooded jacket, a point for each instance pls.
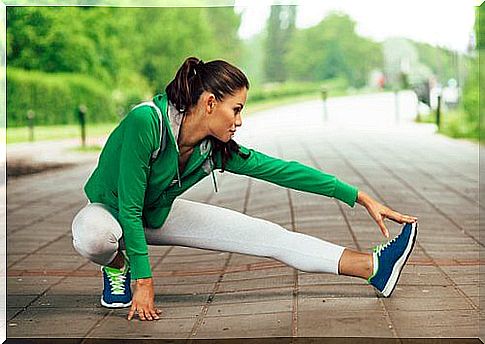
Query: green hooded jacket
x: 139, y: 192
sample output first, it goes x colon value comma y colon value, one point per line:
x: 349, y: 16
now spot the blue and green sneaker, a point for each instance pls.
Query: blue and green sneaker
x: 389, y: 259
x: 117, y: 287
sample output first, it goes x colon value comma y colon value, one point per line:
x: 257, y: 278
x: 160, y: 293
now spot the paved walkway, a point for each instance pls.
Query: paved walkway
x: 52, y: 291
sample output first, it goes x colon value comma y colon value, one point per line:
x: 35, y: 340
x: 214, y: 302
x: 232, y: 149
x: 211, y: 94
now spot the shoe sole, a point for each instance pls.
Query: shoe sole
x: 396, y: 271
x: 115, y: 305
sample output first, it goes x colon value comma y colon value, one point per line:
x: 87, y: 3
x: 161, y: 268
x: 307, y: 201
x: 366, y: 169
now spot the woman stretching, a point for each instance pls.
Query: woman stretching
x: 165, y: 146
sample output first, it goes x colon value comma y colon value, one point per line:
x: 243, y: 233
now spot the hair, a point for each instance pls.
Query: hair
x: 218, y: 77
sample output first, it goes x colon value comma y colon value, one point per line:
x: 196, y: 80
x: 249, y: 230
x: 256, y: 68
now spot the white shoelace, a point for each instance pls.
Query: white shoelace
x: 117, y: 282
x: 381, y: 247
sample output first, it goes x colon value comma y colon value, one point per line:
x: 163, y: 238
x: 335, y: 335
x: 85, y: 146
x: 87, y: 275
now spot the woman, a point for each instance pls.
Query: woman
x: 162, y: 148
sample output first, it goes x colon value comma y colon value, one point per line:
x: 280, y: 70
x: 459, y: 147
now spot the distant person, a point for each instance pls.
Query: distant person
x: 162, y: 148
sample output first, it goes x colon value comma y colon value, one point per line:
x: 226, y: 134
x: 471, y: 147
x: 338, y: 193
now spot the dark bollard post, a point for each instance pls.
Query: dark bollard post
x: 30, y: 120
x: 438, y: 112
x: 324, y: 94
x: 82, y: 121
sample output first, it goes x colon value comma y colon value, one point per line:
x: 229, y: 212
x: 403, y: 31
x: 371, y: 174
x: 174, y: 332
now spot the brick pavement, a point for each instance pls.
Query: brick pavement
x: 52, y: 291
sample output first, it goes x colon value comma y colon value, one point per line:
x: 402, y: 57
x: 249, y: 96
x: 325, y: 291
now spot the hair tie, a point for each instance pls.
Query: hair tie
x: 198, y: 65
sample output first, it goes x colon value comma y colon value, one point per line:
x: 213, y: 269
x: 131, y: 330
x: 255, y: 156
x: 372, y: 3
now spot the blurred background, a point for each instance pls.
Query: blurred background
x: 88, y: 65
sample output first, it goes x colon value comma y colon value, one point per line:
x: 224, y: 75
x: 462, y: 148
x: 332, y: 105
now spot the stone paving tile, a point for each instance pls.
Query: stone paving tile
x: 212, y: 264
x: 217, y: 309
x: 191, y: 289
x: 337, y: 291
x: 283, y: 293
x: 79, y: 285
x: 431, y: 304
x: 470, y: 290
x: 209, y: 256
x: 39, y: 322
x: 305, y: 279
x: 180, y: 299
x: 287, y: 271
x: 409, y: 278
x: 319, y: 323
x: 48, y: 262
x: 187, y: 280
x: 452, y: 323
x: 12, y: 311
x: 423, y: 292
x: 60, y: 247
x: 13, y: 258
x: 256, y: 284
x: 30, y: 284
x: 54, y: 301
x: 116, y: 326
x: 260, y: 325
x: 20, y: 301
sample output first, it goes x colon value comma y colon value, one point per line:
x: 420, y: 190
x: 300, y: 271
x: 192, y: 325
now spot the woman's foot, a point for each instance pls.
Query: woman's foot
x: 116, y: 287
x: 391, y: 258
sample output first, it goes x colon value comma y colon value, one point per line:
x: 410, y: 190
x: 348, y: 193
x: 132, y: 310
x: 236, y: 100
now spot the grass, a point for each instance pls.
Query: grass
x: 57, y: 132
x: 455, y: 124
x: 70, y: 131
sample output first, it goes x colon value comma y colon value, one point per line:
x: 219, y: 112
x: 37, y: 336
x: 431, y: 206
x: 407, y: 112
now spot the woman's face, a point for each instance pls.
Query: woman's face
x: 225, y: 115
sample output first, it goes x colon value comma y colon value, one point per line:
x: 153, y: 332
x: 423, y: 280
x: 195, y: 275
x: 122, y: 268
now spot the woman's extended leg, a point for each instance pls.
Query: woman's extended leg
x: 205, y: 226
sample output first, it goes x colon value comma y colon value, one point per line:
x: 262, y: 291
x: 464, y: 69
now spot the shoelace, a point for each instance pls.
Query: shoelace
x: 117, y: 282
x: 381, y: 247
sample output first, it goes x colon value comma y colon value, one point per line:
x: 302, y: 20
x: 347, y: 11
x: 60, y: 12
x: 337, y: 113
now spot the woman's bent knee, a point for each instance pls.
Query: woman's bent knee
x: 96, y: 234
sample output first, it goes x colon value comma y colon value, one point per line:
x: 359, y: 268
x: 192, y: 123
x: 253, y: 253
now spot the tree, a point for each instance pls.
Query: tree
x: 281, y: 26
x: 332, y: 49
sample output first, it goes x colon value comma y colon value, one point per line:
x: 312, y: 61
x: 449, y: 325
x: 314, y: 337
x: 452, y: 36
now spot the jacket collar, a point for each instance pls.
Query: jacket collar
x: 174, y: 118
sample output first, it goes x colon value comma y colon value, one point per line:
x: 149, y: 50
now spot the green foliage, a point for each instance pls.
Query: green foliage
x: 53, y: 39
x: 454, y: 123
x: 55, y: 98
x: 442, y: 62
x: 125, y: 54
x: 480, y: 26
x: 331, y: 50
x: 252, y: 58
x: 287, y: 89
x: 281, y: 26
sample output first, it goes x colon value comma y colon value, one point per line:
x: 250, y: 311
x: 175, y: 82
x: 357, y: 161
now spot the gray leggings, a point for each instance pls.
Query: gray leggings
x: 97, y: 234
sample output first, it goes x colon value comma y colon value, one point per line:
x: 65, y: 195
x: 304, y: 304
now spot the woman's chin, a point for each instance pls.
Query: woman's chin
x: 225, y: 138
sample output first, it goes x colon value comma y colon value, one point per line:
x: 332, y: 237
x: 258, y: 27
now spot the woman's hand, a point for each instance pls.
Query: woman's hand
x: 143, y: 301
x: 379, y: 212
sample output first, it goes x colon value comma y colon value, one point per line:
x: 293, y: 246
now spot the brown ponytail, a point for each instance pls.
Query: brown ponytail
x: 218, y: 77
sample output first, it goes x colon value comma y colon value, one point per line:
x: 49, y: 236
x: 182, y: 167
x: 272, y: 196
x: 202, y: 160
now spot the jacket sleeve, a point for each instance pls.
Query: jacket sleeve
x: 139, y: 141
x: 290, y: 174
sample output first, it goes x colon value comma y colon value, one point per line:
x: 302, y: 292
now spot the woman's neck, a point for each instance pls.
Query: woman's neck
x: 192, y: 131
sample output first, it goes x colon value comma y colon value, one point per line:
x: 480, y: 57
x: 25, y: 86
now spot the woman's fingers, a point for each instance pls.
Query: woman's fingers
x: 131, y: 313
x: 384, y: 230
x: 399, y: 218
x: 150, y: 314
x: 155, y: 313
x: 141, y: 314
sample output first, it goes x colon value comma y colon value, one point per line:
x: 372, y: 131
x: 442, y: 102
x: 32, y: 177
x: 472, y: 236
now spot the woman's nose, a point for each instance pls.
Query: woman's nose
x: 238, y: 122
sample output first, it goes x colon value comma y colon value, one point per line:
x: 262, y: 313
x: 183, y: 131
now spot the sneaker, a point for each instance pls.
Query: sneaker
x: 117, y: 287
x: 390, y: 259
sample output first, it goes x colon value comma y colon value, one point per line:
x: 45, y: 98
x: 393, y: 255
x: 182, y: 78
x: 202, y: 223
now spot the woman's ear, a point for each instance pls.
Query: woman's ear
x: 211, y: 102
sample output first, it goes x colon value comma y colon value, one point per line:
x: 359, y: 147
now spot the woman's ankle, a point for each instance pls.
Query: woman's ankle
x: 356, y: 264
x: 118, y: 262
